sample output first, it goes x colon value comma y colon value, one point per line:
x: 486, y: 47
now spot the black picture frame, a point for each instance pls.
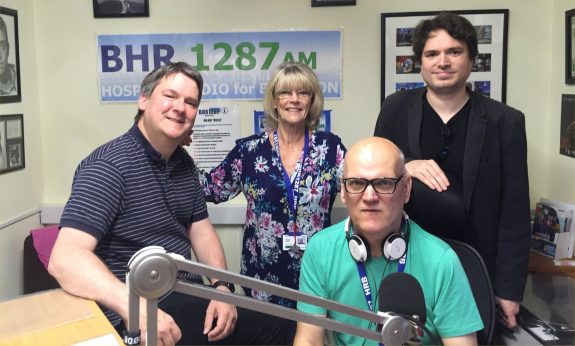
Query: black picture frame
x: 570, y: 47
x: 489, y: 73
x: 567, y: 132
x: 10, y: 88
x: 12, y: 153
x: 324, y: 3
x: 120, y: 8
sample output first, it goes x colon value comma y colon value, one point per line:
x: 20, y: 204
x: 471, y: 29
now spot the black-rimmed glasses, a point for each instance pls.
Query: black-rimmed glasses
x: 384, y: 186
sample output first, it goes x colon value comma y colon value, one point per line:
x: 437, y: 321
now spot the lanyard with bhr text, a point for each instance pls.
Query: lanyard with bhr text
x: 293, y: 191
x: 365, y: 282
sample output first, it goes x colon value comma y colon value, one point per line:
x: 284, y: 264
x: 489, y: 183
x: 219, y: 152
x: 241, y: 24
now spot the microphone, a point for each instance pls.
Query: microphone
x: 400, y: 294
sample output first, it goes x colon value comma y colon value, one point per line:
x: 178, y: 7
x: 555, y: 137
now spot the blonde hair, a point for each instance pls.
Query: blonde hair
x: 288, y: 76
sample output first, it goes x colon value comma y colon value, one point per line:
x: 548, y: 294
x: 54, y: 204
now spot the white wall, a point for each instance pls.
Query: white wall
x: 11, y: 242
x: 64, y: 120
x: 21, y: 191
x: 560, y: 173
x: 68, y: 85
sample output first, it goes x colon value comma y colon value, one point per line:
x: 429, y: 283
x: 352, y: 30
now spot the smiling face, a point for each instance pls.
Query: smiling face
x: 292, y: 104
x: 445, y: 63
x: 375, y: 215
x: 170, y: 110
x: 286, y: 79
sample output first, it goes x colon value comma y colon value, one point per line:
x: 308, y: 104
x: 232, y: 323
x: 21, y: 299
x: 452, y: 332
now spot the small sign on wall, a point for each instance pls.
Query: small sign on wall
x: 216, y: 130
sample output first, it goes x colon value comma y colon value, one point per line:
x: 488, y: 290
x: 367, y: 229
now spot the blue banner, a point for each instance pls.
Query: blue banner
x: 324, y: 121
x: 235, y: 65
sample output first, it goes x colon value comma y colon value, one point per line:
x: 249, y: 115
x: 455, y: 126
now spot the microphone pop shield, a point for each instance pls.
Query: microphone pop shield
x: 402, y: 294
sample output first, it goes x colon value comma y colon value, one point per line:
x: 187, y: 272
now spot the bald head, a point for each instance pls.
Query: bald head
x: 375, y: 214
x: 378, y: 151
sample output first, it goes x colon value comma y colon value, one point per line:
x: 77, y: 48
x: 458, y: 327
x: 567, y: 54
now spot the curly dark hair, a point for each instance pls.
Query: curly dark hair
x: 456, y: 26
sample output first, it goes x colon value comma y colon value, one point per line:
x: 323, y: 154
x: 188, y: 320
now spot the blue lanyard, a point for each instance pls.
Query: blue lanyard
x: 365, y: 281
x: 293, y: 191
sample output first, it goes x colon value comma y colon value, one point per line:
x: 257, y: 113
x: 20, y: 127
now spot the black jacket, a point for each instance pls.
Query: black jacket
x: 495, y: 180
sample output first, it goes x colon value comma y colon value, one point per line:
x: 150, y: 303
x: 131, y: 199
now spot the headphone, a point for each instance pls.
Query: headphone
x: 394, y: 246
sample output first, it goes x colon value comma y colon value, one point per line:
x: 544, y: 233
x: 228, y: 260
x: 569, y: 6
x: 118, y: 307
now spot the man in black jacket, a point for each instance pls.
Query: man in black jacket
x: 468, y: 155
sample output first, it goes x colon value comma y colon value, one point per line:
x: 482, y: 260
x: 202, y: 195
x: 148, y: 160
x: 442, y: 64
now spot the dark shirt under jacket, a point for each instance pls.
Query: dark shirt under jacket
x: 447, y: 217
x: 433, y: 138
x: 495, y: 187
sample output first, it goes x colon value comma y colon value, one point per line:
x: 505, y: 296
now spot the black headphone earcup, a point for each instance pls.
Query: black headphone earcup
x: 358, y: 248
x: 394, y: 247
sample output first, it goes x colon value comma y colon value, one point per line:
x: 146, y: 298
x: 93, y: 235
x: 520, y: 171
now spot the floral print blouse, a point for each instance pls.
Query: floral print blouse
x: 254, y: 168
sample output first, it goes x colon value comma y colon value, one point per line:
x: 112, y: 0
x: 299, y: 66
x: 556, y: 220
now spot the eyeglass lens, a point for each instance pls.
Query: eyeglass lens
x: 301, y: 94
x: 380, y: 185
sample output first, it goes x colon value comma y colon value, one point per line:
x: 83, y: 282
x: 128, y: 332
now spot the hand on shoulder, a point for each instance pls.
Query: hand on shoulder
x: 429, y: 173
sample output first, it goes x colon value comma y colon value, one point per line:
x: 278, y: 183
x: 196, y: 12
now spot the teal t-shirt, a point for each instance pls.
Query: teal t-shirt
x: 329, y: 271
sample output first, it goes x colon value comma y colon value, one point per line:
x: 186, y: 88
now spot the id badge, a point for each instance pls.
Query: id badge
x: 289, y: 241
x: 301, y: 241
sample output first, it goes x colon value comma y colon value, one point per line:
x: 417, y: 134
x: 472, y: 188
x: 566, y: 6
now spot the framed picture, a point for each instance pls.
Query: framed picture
x: 567, y: 133
x: 400, y: 70
x: 323, y: 3
x: 570, y: 47
x: 120, y: 8
x: 12, y: 156
x: 9, y: 57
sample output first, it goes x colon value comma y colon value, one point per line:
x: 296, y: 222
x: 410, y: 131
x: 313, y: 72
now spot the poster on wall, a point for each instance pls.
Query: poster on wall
x: 401, y: 71
x: 235, y: 65
x: 567, y: 133
x: 10, y: 90
x: 215, y: 132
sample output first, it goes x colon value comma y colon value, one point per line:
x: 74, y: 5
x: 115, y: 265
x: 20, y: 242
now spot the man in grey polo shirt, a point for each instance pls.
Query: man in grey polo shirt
x: 142, y: 189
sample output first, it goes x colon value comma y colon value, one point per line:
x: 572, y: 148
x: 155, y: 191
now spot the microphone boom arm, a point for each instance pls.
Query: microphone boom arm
x: 152, y: 273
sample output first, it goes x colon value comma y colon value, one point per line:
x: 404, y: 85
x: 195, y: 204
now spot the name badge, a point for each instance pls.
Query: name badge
x: 289, y: 241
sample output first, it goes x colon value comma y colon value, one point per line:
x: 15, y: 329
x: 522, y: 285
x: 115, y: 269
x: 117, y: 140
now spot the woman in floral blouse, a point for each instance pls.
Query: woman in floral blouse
x: 290, y: 176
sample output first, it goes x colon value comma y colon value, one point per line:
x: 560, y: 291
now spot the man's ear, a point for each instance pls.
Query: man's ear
x: 142, y: 103
x: 408, y: 182
x: 342, y: 193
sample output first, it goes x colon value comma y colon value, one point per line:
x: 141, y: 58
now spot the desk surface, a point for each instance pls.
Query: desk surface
x: 549, y: 295
x: 550, y: 300
x: 539, y: 264
x: 53, y: 318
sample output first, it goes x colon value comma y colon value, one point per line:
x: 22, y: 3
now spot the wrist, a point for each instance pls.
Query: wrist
x: 228, y: 285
